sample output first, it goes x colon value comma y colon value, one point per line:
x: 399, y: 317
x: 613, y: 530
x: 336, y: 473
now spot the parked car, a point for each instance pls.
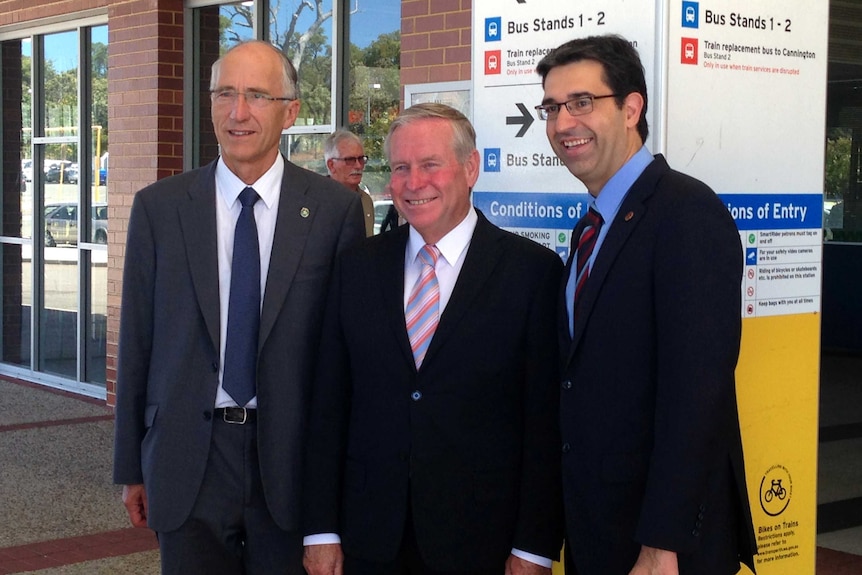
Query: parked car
x: 381, y: 208
x: 62, y: 172
x: 61, y: 223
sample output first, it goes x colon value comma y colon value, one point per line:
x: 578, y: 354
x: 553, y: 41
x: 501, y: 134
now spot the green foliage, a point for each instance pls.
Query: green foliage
x: 837, y: 179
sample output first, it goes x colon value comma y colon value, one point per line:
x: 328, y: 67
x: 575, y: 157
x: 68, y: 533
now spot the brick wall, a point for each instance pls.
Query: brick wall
x: 435, y: 40
x: 145, y: 115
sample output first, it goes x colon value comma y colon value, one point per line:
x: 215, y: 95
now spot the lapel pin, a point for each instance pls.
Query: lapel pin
x: 629, y: 216
x: 304, y: 212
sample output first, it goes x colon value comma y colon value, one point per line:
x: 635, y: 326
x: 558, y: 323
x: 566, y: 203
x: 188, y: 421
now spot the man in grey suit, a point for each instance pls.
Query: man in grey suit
x: 211, y: 397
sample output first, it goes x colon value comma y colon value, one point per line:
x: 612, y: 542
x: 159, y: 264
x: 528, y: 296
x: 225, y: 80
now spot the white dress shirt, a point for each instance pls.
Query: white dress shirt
x: 228, y: 208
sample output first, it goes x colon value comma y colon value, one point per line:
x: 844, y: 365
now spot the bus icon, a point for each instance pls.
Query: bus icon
x: 492, y: 159
x: 689, y: 14
x: 493, y: 29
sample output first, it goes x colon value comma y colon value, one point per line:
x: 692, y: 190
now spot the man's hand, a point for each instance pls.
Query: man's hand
x: 652, y: 561
x: 518, y: 566
x: 323, y: 559
x: 135, y: 500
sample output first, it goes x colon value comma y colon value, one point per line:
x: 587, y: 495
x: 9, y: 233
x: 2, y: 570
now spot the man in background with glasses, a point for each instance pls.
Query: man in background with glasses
x: 653, y: 473
x: 345, y: 161
x: 226, y: 269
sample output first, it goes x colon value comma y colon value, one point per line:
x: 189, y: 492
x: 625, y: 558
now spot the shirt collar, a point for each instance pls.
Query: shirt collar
x: 268, y: 186
x: 452, y: 245
x: 614, y: 191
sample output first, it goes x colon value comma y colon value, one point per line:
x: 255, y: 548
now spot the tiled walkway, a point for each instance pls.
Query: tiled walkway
x: 62, y: 516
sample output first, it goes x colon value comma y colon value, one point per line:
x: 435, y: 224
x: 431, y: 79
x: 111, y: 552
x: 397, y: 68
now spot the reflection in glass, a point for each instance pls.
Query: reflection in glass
x: 375, y: 83
x: 305, y: 35
x: 219, y: 28
x: 99, y: 115
x: 61, y: 87
x: 97, y: 326
x: 58, y: 315
x: 16, y: 205
x: 17, y: 302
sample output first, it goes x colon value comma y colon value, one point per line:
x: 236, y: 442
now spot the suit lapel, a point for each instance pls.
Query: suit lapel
x: 482, y: 257
x: 390, y: 272
x: 628, y: 217
x: 296, y: 213
x: 198, y: 224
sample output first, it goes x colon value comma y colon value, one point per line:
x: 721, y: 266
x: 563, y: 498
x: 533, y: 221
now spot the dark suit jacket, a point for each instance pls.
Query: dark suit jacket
x: 651, y: 443
x: 469, y: 442
x: 169, y: 336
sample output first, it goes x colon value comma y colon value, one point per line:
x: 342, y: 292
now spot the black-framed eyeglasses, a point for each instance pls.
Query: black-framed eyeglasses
x: 353, y: 159
x: 576, y: 106
x: 252, y: 98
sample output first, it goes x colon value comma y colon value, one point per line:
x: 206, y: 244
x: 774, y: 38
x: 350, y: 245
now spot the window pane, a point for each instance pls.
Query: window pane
x: 97, y: 277
x: 61, y: 86
x: 17, y: 301
x: 99, y: 123
x: 219, y: 28
x: 17, y: 202
x: 58, y: 316
x: 305, y: 35
x: 97, y: 327
x: 16, y: 206
x: 375, y: 63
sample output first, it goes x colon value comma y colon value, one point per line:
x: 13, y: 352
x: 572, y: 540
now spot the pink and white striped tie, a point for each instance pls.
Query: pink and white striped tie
x: 423, y: 305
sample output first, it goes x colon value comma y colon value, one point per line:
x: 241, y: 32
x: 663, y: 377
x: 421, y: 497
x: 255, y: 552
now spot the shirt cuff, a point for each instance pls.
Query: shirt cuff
x: 321, y: 539
x: 537, y: 559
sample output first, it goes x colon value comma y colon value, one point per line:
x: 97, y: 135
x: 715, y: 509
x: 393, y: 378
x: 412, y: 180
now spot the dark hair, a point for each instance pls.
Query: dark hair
x: 623, y: 71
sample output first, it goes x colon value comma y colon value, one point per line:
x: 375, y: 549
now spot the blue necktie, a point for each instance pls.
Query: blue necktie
x: 243, y: 316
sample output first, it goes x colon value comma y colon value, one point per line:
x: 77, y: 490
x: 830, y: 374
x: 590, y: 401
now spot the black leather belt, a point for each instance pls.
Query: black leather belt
x: 237, y: 415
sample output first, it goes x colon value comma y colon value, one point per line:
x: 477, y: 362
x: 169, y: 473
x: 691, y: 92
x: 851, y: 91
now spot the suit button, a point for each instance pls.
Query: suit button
x: 208, y: 415
x: 567, y: 385
x: 695, y: 532
x: 566, y: 448
x: 416, y: 395
x: 215, y: 367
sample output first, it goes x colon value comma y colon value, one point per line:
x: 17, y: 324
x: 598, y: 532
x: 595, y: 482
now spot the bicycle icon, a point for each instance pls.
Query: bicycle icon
x: 777, y: 490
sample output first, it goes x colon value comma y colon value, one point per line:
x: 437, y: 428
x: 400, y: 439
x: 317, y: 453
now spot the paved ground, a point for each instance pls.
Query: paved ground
x: 62, y: 516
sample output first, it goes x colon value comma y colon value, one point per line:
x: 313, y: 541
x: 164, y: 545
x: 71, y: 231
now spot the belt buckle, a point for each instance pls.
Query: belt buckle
x: 231, y: 415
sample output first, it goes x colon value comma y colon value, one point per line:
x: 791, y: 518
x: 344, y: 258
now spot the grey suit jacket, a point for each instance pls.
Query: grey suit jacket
x: 169, y: 336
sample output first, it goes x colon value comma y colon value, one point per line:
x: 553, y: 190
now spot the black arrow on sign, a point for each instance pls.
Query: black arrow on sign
x: 525, y: 119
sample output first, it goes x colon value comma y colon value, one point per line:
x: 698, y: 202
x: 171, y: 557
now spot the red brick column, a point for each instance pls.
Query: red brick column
x: 435, y: 40
x: 145, y: 116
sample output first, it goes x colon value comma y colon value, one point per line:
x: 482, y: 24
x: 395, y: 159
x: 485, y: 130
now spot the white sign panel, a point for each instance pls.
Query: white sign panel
x: 737, y: 94
x: 746, y: 94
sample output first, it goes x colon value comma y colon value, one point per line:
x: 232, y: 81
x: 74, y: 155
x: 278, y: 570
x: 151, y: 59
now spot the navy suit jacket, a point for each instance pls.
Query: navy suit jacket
x: 652, y: 453
x: 168, y: 359
x: 469, y: 442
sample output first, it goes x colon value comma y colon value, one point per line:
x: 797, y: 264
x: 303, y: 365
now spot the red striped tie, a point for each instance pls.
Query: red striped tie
x: 586, y: 243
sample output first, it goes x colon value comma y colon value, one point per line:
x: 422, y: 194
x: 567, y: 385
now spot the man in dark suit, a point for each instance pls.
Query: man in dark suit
x: 211, y: 397
x: 441, y: 457
x: 653, y: 474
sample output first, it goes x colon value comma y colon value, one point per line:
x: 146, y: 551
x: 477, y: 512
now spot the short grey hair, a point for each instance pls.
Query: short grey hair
x: 330, y: 145
x: 464, y: 142
x: 290, y: 80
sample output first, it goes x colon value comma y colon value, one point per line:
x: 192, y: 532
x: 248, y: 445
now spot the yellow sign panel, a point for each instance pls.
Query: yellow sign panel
x: 777, y: 382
